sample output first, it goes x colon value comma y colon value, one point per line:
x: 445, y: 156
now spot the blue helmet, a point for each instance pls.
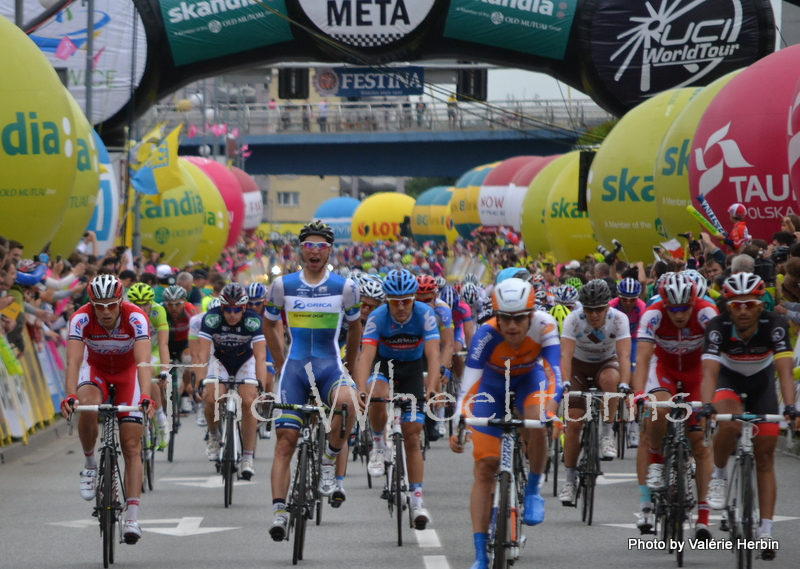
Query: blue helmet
x: 400, y: 283
x: 508, y: 273
x: 256, y: 292
x: 565, y: 295
x: 449, y: 296
x: 629, y: 288
x: 469, y: 292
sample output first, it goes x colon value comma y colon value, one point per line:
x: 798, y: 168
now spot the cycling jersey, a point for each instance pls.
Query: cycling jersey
x: 110, y: 352
x: 157, y: 320
x: 679, y: 349
x: 314, y: 312
x: 592, y: 345
x: 461, y: 313
x: 634, y: 316
x: 232, y: 345
x: 444, y: 317
x: 769, y: 342
x: 179, y: 328
x: 403, y: 342
x: 194, y: 325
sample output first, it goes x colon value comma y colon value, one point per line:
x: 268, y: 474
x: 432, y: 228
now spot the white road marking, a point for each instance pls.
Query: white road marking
x: 204, y: 481
x: 427, y: 538
x: 186, y: 527
x: 436, y: 562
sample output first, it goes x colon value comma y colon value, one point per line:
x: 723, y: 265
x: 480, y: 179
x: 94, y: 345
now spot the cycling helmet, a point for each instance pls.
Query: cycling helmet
x: 173, y: 293
x: 141, y: 293
x: 372, y: 288
x: 509, y: 273
x: 470, y: 278
x: 574, y: 282
x: 742, y: 284
x: 215, y: 303
x: 565, y: 295
x: 541, y: 296
x: 104, y: 287
x: 700, y: 284
x: 537, y: 278
x: 513, y: 296
x: 441, y: 282
x: 469, y: 293
x: 399, y: 283
x: 233, y: 295
x: 560, y: 313
x: 595, y: 293
x: 256, y: 292
x: 737, y: 210
x: 26, y: 266
x: 317, y: 228
x: 629, y: 288
x: 449, y: 296
x: 427, y: 284
x: 676, y: 289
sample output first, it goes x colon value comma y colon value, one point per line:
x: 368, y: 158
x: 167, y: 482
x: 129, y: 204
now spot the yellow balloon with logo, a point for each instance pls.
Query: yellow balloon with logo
x: 441, y: 221
x: 533, y: 207
x: 671, y: 175
x: 38, y: 154
x: 175, y: 225
x: 215, y: 220
x: 620, y: 190
x: 568, y: 230
x: 379, y: 217
x: 84, y: 193
x: 464, y: 204
x: 421, y: 215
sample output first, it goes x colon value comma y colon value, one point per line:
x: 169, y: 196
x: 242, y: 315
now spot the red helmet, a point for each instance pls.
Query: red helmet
x: 426, y: 284
x: 737, y: 210
x: 104, y: 287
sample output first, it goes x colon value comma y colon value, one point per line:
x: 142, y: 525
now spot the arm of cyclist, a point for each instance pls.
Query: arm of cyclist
x: 469, y: 330
x: 275, y: 342
x: 432, y: 354
x: 784, y: 365
x: 162, y: 337
x: 567, y: 352
x: 352, y: 344
x: 644, y: 353
x: 365, y: 359
x: 144, y: 372
x: 203, y: 356
x: 551, y: 361
x: 260, y: 355
x: 75, y: 349
x: 447, y: 346
x: 624, y: 356
x: 707, y: 390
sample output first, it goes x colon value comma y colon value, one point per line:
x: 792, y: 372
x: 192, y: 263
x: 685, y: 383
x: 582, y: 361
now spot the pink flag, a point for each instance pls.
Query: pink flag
x: 244, y: 149
x: 223, y: 128
x: 192, y: 131
x: 235, y: 133
x: 65, y: 48
x: 96, y: 57
x: 216, y: 130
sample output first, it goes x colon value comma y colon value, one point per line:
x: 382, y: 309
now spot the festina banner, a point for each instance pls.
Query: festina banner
x: 368, y: 81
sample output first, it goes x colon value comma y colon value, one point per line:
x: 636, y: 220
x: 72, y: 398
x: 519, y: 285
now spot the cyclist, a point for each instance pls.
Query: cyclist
x: 142, y: 295
x: 396, y: 337
x: 372, y: 296
x: 595, y: 343
x: 671, y: 336
x: 234, y: 334
x: 314, y: 300
x: 195, y: 322
x: 109, y: 344
x: 523, y: 345
x: 744, y: 347
x: 257, y: 295
x: 179, y: 312
x: 462, y: 324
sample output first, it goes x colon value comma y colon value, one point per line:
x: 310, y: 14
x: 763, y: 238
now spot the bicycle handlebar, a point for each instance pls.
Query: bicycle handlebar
x: 245, y: 381
x: 749, y: 417
x: 672, y: 404
x: 307, y: 408
x: 107, y: 407
x: 503, y: 424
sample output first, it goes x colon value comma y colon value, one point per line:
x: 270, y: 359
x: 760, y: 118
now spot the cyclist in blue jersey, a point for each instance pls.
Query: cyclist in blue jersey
x: 257, y: 294
x: 396, y: 336
x: 314, y: 300
x: 239, y: 351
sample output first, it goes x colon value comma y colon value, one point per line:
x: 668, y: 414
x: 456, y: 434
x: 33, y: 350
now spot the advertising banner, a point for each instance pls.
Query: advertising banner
x: 368, y: 82
x: 538, y: 27
x: 201, y: 30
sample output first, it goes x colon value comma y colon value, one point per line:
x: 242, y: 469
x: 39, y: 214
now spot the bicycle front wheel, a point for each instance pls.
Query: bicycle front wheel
x: 316, y: 469
x: 397, y: 483
x: 592, y: 470
x: 107, y: 508
x: 175, y: 418
x: 747, y: 513
x: 228, y: 459
x: 151, y: 455
x: 299, y: 506
x: 679, y: 504
x: 501, y: 537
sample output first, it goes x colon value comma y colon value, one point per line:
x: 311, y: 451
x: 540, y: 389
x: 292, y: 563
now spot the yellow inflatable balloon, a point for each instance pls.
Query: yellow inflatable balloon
x: 38, y: 154
x: 533, y: 207
x: 378, y: 218
x: 421, y: 215
x: 215, y: 224
x: 620, y: 190
x: 568, y: 230
x: 84, y: 193
x: 174, y: 227
x: 672, y: 167
x: 441, y: 221
x: 464, y: 205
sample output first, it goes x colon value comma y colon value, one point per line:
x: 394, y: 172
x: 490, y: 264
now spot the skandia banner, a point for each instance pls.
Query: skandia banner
x: 198, y: 30
x: 539, y: 27
x: 364, y: 23
x: 368, y: 82
x: 639, y: 49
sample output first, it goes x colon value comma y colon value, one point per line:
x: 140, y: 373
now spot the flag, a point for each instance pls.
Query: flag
x: 674, y: 248
x: 192, y: 131
x: 235, y: 133
x: 160, y: 172
x: 66, y: 47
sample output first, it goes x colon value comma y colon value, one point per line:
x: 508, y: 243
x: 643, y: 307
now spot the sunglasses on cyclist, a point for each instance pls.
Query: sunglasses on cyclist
x: 748, y: 304
x: 402, y: 301
x: 232, y: 309
x: 426, y: 298
x: 369, y: 306
x: 517, y: 318
x: 678, y: 309
x: 257, y: 303
x: 174, y: 304
x: 594, y: 309
x: 315, y: 246
x: 106, y: 305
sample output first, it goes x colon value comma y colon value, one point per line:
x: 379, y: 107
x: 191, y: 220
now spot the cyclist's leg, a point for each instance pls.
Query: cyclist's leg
x: 531, y: 389
x: 762, y: 400
x: 293, y: 390
x: 92, y: 390
x: 130, y: 437
x: 213, y: 391
x: 248, y: 394
x: 378, y: 386
x: 607, y: 380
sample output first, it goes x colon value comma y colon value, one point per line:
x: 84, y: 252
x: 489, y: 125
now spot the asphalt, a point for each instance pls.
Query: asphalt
x: 45, y: 523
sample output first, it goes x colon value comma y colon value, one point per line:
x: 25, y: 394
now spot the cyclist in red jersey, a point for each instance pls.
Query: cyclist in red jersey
x: 179, y: 313
x: 109, y: 344
x: 671, y: 336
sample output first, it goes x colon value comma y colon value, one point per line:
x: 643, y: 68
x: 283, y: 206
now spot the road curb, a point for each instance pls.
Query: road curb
x: 36, y: 441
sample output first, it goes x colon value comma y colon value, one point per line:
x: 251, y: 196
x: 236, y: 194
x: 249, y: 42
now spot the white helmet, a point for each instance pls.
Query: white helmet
x: 677, y: 289
x: 513, y: 296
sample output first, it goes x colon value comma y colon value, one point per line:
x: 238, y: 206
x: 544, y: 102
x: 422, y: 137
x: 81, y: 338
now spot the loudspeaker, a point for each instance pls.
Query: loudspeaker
x: 472, y: 84
x: 292, y: 83
x: 586, y: 158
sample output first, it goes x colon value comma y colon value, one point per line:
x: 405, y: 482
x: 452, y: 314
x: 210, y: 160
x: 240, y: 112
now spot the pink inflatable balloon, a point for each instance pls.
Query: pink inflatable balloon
x: 493, y: 199
x: 794, y: 140
x: 253, y: 206
x: 229, y: 189
x: 739, y: 151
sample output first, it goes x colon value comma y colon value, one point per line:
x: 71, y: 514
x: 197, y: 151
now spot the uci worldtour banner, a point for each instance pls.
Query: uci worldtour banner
x: 620, y: 52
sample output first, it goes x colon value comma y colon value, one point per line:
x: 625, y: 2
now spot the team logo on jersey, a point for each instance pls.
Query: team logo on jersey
x: 430, y: 322
x: 715, y: 337
x: 252, y: 324
x: 370, y: 327
x: 778, y: 334
x: 547, y: 328
x: 213, y: 320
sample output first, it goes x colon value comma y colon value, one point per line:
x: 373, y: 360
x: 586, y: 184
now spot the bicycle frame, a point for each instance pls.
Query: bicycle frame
x: 588, y: 466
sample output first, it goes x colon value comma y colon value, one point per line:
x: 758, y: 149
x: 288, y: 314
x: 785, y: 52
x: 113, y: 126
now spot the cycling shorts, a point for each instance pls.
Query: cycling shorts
x: 490, y: 400
x: 408, y: 380
x: 126, y: 387
x: 663, y: 378
x: 327, y: 374
x: 581, y: 372
x: 458, y: 335
x: 760, y: 390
